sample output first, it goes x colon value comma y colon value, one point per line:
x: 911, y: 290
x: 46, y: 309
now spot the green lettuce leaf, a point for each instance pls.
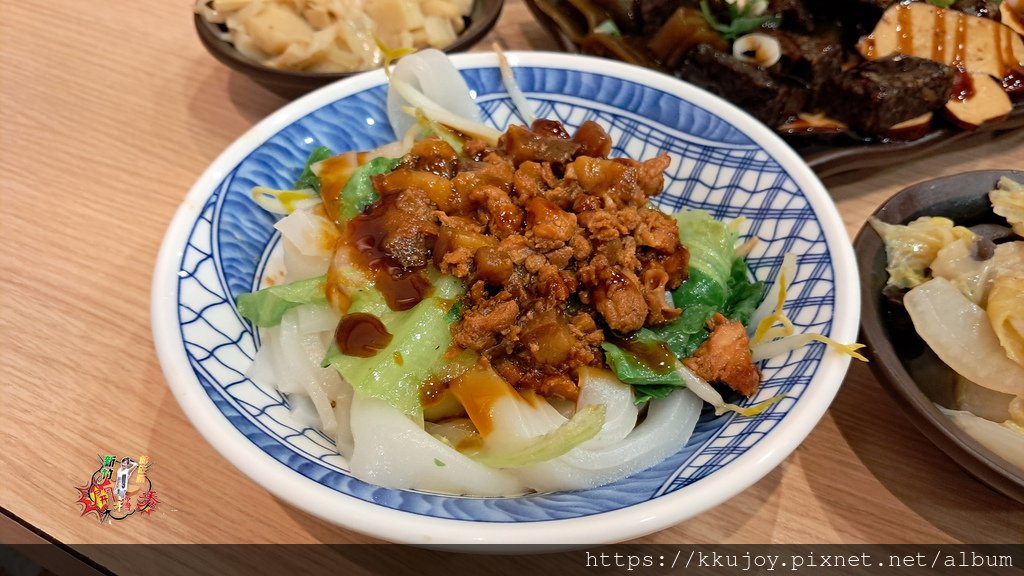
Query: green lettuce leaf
x: 648, y: 382
x: 717, y: 283
x: 420, y: 338
x: 718, y: 276
x: 265, y: 307
x: 632, y: 370
x: 700, y: 289
x: 359, y: 194
x: 712, y: 244
x: 308, y: 180
x: 744, y: 296
x: 685, y: 334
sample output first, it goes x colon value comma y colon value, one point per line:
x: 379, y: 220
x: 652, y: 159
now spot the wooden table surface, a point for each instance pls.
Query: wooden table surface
x: 109, y: 113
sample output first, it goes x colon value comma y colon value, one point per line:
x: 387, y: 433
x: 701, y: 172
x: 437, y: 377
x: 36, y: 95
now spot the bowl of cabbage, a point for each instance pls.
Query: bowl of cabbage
x: 439, y: 418
x: 291, y: 52
x: 942, y: 266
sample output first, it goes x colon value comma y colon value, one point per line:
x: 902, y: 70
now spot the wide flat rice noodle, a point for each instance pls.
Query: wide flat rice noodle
x: 393, y: 451
x: 665, y: 430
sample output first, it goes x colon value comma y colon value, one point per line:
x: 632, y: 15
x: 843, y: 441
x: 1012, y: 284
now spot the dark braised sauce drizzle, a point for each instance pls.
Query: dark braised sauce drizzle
x: 403, y: 288
x: 963, y: 85
x: 362, y: 335
x: 654, y: 355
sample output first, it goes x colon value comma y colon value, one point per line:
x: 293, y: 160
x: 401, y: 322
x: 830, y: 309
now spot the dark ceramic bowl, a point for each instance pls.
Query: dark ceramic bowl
x: 899, y: 358
x: 292, y: 84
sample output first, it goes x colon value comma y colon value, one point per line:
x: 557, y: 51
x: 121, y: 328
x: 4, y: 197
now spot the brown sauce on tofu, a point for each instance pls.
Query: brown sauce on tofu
x: 963, y: 85
x: 939, y: 36
x: 960, y: 41
x: 904, y: 30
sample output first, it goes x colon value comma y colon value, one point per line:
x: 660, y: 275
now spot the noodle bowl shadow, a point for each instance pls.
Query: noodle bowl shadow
x: 291, y: 84
x: 220, y: 244
x: 904, y: 364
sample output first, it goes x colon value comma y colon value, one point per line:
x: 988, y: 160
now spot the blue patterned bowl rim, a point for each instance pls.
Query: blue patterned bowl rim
x: 727, y: 163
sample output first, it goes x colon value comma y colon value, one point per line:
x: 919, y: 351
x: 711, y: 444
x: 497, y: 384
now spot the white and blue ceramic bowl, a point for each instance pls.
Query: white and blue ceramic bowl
x: 723, y: 161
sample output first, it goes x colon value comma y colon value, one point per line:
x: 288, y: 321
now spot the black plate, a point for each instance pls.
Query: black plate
x: 838, y: 156
x: 899, y: 358
x: 829, y: 160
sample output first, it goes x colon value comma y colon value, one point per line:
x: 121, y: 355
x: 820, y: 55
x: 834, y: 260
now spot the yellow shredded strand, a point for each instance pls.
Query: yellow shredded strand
x: 850, y: 349
x: 428, y: 126
x: 281, y: 201
x: 750, y: 411
x: 777, y: 326
x: 778, y: 346
x: 777, y: 316
x: 390, y: 54
x: 774, y: 332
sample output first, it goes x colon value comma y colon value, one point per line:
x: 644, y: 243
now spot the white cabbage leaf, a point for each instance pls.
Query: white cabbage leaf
x: 1005, y: 439
x: 1008, y: 201
x: 911, y: 248
x: 981, y: 401
x: 956, y: 262
x: 1006, y: 314
x: 959, y: 333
